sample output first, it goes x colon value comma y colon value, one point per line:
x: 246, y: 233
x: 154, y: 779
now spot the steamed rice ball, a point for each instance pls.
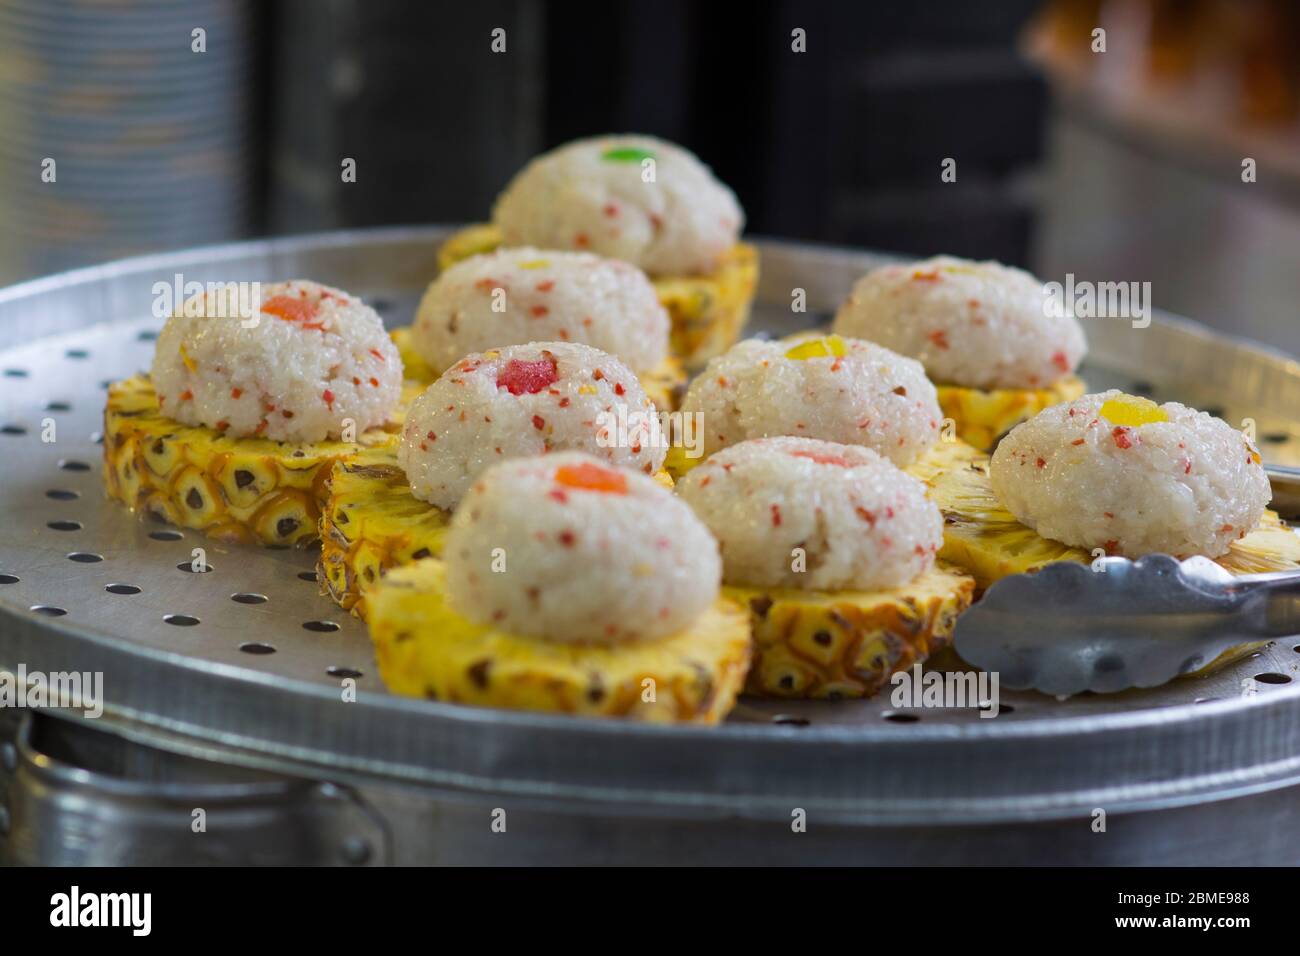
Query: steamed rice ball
x: 801, y: 513
x: 1131, y: 477
x: 526, y: 400
x: 313, y: 364
x: 976, y: 324
x: 835, y: 389
x: 635, y: 198
x: 567, y: 548
x: 515, y: 296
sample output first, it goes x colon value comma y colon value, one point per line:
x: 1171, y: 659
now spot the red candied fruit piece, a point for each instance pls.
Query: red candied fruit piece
x: 291, y: 308
x: 527, y: 378
x: 589, y: 477
x: 823, y: 459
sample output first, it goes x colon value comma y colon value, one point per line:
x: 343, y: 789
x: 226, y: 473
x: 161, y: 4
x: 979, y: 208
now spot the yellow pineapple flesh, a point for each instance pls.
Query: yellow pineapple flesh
x: 707, y: 312
x: 982, y: 416
x: 844, y: 644
x: 425, y: 649
x: 238, y: 490
x: 665, y: 383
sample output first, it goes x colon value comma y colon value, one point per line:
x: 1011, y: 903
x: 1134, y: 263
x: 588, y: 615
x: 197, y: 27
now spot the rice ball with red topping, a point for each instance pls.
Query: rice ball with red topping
x: 635, y: 198
x: 515, y: 296
x: 526, y: 400
x: 1131, y: 477
x: 567, y: 548
x: 801, y: 513
x: 975, y: 324
x: 832, y: 388
x: 311, y: 361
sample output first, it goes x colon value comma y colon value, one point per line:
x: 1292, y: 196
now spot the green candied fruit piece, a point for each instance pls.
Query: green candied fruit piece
x: 626, y: 154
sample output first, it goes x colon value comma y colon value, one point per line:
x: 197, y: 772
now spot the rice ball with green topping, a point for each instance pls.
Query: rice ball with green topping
x: 526, y: 400
x: 312, y: 362
x: 1131, y: 477
x: 567, y: 548
x: 515, y: 296
x: 975, y: 324
x: 635, y: 198
x: 832, y: 388
x: 801, y: 513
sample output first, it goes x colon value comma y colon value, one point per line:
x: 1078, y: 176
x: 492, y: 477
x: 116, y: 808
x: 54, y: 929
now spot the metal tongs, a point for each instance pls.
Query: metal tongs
x: 1117, y: 624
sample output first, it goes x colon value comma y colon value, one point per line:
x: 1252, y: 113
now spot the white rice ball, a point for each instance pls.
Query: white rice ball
x: 1077, y: 473
x: 546, y: 297
x: 314, y: 359
x: 526, y: 400
x: 862, y: 524
x: 635, y: 198
x: 867, y: 396
x: 567, y: 548
x: 976, y: 324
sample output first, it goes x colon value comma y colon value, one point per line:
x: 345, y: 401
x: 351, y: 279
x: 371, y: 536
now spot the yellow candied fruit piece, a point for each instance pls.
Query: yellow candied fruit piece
x: 828, y: 345
x: 535, y: 264
x: 1131, y: 410
x: 959, y: 270
x: 185, y: 357
x: 587, y: 389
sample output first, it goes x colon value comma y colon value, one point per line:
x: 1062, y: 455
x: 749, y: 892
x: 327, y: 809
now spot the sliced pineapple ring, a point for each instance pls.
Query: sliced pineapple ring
x: 833, y: 645
x: 982, y: 416
x: 665, y: 383
x: 425, y: 649
x: 707, y: 312
x: 245, y: 490
x: 985, y: 539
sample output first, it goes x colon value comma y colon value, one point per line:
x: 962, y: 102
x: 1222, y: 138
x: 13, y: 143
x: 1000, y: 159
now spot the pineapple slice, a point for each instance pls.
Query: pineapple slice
x: 707, y: 312
x: 665, y: 383
x: 425, y: 649
x: 833, y: 645
x: 239, y: 490
x: 985, y: 539
x: 371, y: 523
x: 984, y: 416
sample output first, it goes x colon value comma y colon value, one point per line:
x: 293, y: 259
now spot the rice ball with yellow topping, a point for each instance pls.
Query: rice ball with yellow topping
x: 312, y: 360
x: 526, y: 400
x: 567, y: 548
x: 1126, y: 475
x: 975, y: 324
x: 835, y: 389
x: 858, y: 522
x: 514, y: 296
x: 635, y: 198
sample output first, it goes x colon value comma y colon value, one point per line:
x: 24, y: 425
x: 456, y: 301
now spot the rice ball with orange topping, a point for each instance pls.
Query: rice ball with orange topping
x: 801, y: 513
x: 1126, y: 475
x: 311, y: 361
x: 515, y: 296
x: 832, y: 388
x: 567, y: 548
x: 526, y: 400
x: 976, y: 324
x: 635, y: 198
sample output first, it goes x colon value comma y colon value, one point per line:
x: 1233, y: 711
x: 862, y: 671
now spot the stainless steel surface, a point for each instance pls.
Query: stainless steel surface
x: 1120, y: 624
x: 250, y: 685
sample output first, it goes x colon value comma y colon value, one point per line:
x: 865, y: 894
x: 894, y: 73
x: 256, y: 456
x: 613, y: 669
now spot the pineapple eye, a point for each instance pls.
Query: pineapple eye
x: 1131, y: 410
x: 826, y: 346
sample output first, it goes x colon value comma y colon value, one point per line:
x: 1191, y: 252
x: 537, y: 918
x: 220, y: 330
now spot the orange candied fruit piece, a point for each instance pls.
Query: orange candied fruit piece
x: 589, y: 477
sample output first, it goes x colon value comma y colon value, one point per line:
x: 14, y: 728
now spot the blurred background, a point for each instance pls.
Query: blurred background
x: 130, y: 126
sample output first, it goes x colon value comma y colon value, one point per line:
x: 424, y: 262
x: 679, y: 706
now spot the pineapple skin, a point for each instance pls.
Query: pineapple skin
x: 371, y: 523
x: 847, y: 644
x: 425, y: 649
x: 982, y: 416
x: 236, y: 490
x: 707, y: 312
x: 665, y: 383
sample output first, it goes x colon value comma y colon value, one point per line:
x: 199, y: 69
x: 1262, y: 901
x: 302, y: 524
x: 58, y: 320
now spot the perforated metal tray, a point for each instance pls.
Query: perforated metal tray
x: 245, y: 663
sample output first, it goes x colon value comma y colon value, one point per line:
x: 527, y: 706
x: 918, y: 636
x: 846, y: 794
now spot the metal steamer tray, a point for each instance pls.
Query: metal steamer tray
x: 226, y: 690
